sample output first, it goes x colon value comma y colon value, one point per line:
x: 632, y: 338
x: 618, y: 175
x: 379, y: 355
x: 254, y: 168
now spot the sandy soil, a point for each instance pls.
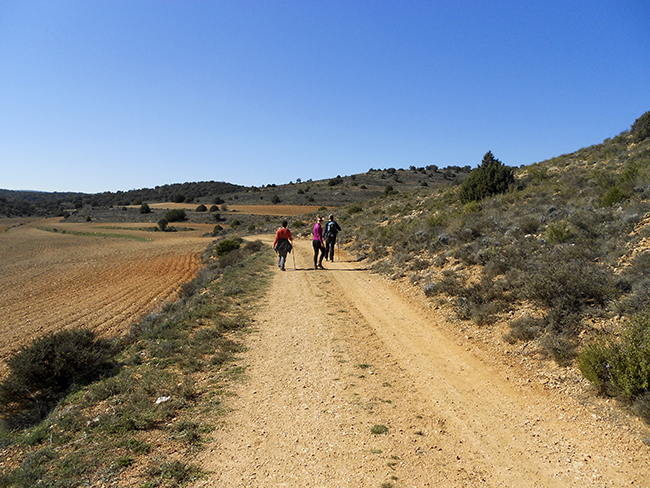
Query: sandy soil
x: 53, y: 281
x: 341, y: 350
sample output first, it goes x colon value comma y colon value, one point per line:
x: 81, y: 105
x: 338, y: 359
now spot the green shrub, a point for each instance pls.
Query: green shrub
x: 524, y: 329
x: 557, y: 232
x: 176, y: 215
x: 593, y: 362
x: 335, y: 181
x: 42, y: 372
x: 491, y: 178
x: 448, y: 285
x: 162, y: 224
x: 620, y: 364
x: 225, y: 246
x: 235, y: 223
x: 201, y: 208
x: 355, y: 209
x: 641, y: 127
x: 613, y: 196
x: 471, y: 207
x: 145, y: 209
x: 379, y: 429
x: 566, y: 284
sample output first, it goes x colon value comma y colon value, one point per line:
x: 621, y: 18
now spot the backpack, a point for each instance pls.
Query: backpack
x: 331, y: 230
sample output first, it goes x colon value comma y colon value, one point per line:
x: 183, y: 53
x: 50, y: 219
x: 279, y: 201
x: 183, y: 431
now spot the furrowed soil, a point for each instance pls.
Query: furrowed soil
x: 341, y: 351
x: 51, y: 281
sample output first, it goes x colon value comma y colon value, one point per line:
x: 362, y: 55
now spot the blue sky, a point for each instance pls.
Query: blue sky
x: 109, y: 95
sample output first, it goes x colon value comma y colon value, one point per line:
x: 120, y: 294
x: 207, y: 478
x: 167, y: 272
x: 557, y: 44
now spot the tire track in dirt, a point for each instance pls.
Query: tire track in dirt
x: 340, y: 350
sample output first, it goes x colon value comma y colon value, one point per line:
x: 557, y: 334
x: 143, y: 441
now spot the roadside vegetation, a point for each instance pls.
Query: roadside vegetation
x: 559, y: 250
x: 78, y: 410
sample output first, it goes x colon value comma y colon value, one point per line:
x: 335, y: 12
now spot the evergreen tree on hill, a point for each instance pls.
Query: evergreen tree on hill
x: 641, y: 127
x: 492, y: 177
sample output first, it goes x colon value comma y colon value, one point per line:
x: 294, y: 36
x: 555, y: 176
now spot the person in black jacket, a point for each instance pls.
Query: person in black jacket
x: 331, y: 231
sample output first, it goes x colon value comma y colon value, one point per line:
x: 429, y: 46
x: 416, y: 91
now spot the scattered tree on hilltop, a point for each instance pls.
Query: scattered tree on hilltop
x: 641, y: 127
x: 490, y: 178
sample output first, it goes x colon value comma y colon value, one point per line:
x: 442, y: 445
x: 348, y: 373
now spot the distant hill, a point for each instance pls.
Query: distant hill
x: 331, y: 192
x: 28, y: 203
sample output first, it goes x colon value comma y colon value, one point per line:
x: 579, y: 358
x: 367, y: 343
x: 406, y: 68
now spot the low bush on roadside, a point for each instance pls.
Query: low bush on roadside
x: 620, y: 365
x: 41, y: 373
x: 227, y: 245
x: 525, y: 329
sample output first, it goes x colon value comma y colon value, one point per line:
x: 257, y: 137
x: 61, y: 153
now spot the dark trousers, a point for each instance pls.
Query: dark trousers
x: 318, y: 248
x: 329, y: 248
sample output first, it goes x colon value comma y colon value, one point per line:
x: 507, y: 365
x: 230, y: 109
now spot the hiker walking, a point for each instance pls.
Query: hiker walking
x: 281, y: 244
x: 332, y: 228
x: 318, y: 243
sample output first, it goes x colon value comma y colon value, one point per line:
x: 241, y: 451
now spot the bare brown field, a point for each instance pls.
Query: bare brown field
x: 13, y: 222
x: 53, y: 281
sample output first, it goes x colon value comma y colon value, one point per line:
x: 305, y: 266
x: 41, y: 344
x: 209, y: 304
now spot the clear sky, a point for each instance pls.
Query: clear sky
x: 108, y: 95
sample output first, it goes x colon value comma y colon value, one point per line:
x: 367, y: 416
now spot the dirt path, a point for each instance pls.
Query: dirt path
x: 339, y: 351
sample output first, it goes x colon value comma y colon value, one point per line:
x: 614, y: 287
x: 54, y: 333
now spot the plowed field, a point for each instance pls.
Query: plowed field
x: 51, y: 281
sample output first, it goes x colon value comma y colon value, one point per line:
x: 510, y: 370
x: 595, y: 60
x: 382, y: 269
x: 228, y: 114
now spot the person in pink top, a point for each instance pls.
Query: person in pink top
x: 319, y: 244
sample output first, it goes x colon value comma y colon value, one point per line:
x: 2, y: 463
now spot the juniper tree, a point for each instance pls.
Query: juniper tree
x: 490, y: 178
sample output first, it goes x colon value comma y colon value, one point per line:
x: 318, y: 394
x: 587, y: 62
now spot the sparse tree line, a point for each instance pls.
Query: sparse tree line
x: 24, y: 203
